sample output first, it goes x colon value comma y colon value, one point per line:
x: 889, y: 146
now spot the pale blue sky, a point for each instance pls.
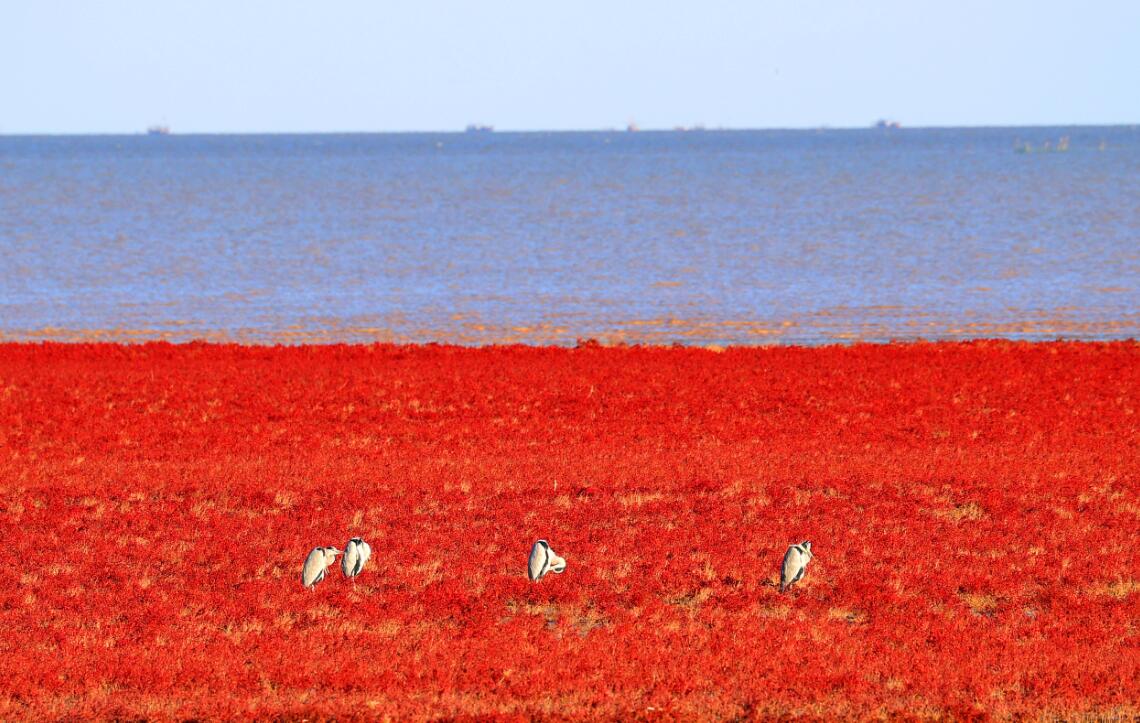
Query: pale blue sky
x: 79, y: 66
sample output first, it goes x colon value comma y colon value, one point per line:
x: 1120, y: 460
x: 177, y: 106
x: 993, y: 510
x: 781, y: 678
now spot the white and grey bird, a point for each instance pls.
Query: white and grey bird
x: 316, y: 564
x: 544, y: 560
x: 796, y: 560
x: 356, y: 553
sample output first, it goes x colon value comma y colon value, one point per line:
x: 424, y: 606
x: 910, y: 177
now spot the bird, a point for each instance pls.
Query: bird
x: 795, y: 562
x: 543, y: 560
x: 316, y: 564
x: 356, y: 553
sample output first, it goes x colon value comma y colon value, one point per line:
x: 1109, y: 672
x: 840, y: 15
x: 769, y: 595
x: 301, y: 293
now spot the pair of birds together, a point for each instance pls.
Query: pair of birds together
x: 543, y: 559
x: 356, y: 553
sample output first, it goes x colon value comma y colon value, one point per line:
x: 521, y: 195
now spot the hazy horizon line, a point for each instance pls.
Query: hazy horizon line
x: 696, y: 128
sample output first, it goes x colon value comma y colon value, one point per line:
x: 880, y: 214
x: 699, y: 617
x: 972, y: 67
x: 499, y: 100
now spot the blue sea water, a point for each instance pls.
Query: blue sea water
x: 709, y: 237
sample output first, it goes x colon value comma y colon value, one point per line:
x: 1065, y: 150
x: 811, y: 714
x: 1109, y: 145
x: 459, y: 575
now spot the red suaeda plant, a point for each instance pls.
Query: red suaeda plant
x: 972, y: 507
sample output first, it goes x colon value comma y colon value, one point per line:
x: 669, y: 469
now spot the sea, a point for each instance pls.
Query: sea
x: 697, y: 237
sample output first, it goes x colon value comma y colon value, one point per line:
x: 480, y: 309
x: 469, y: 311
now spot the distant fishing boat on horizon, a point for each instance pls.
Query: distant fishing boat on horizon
x: 479, y: 128
x: 158, y: 130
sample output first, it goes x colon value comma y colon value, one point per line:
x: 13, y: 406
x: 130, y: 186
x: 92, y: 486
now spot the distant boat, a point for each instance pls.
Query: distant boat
x: 889, y: 124
x: 158, y: 131
x: 477, y: 128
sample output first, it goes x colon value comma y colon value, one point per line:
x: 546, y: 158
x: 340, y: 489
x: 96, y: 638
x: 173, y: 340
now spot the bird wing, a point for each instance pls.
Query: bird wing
x: 793, y: 566
x: 358, y: 562
x: 314, y: 564
x: 365, y: 553
x: 348, y: 560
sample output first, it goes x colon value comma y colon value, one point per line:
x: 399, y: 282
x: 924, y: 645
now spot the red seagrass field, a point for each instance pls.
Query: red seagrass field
x: 973, y: 508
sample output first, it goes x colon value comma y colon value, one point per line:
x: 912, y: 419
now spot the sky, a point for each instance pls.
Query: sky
x: 222, y: 66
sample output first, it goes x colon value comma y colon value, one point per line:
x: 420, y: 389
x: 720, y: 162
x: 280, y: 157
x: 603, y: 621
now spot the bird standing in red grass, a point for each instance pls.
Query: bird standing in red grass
x: 316, y: 564
x: 543, y: 560
x: 796, y: 560
x: 356, y: 553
